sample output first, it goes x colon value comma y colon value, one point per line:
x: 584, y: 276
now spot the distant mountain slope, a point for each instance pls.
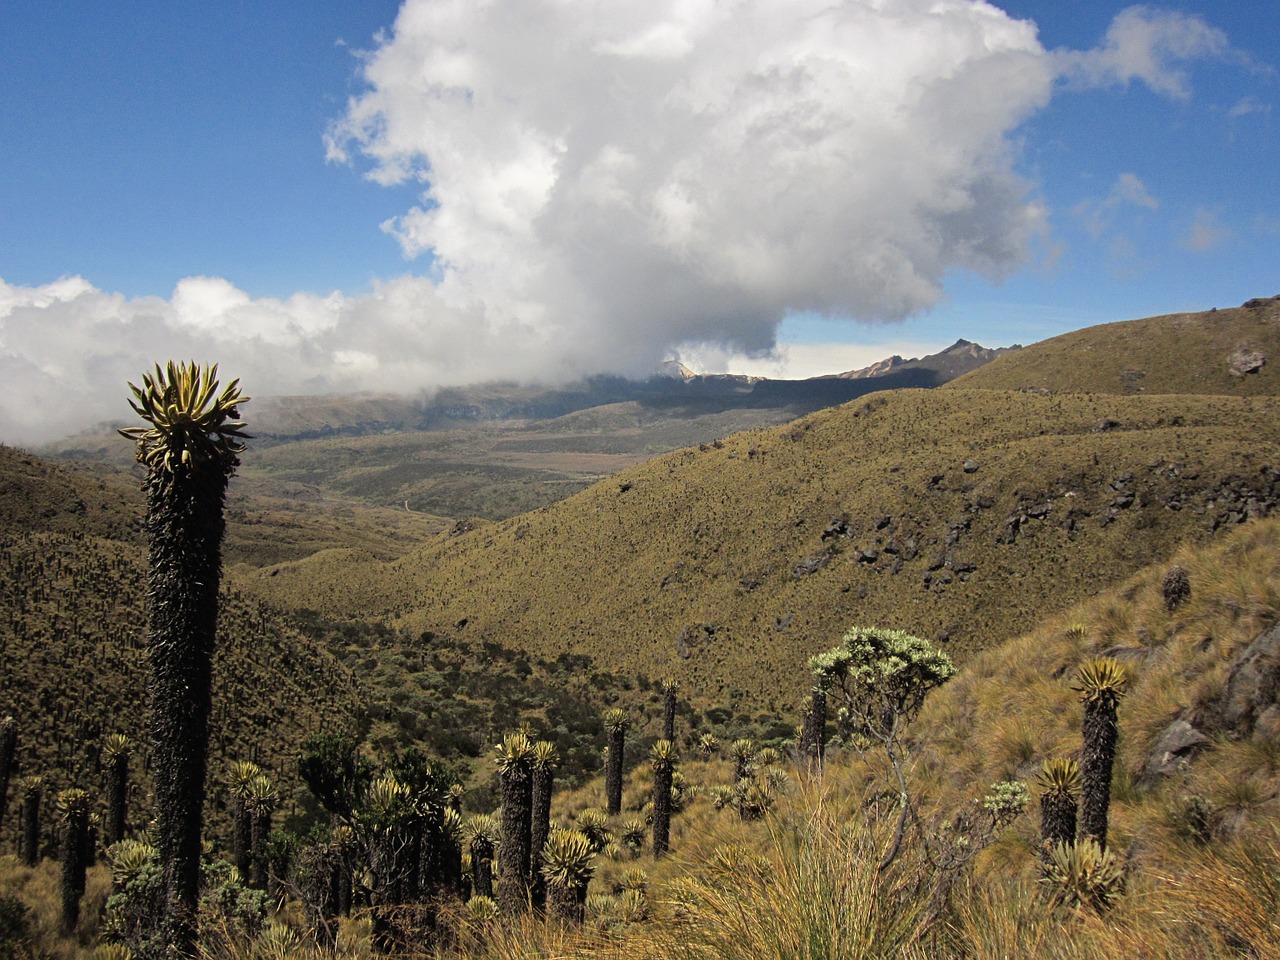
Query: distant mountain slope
x: 39, y: 494
x: 1233, y: 352
x: 264, y: 525
x: 497, y: 450
x: 956, y: 360
x: 962, y: 515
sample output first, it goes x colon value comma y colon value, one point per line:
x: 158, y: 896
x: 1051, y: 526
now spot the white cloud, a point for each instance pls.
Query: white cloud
x: 1207, y: 231
x: 632, y: 176
x: 1099, y: 215
x: 402, y: 338
x: 1148, y: 45
x: 602, y: 183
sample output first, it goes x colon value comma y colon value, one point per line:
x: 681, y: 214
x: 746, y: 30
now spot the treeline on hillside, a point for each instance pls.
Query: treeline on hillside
x: 394, y: 847
x: 456, y: 699
x: 73, y: 666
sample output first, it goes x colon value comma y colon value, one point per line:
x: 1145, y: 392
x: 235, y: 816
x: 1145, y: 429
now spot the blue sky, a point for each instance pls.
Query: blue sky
x: 333, y: 198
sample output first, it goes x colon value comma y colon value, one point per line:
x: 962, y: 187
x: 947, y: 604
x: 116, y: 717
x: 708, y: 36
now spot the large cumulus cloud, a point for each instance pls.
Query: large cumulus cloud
x: 604, y: 183
x: 635, y: 176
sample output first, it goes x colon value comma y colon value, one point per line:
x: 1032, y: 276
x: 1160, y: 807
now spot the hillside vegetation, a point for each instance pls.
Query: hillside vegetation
x: 960, y: 515
x: 1213, y: 352
x: 1194, y: 833
x: 73, y: 666
x: 1023, y: 530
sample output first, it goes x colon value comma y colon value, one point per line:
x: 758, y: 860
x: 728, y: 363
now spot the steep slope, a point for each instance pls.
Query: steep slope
x: 39, y: 494
x: 1233, y: 352
x: 73, y: 667
x: 960, y: 515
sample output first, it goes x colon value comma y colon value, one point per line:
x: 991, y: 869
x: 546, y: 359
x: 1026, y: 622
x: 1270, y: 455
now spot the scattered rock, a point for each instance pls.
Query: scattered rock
x: 868, y: 556
x: 1105, y: 424
x: 838, y: 527
x: 781, y: 623
x: 692, y: 637
x: 810, y: 565
x: 971, y: 466
x: 1257, y: 303
x: 1175, y: 746
x: 1253, y: 686
x: 1012, y: 526
x: 1245, y: 361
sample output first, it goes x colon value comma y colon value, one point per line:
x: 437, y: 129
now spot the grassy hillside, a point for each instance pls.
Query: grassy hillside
x: 266, y: 523
x: 1196, y: 844
x: 1177, y: 353
x: 964, y: 516
x: 73, y: 667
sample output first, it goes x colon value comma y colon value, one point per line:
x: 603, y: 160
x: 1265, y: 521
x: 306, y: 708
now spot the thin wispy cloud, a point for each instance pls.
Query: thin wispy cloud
x: 1149, y: 45
x: 1246, y: 106
x: 1100, y: 215
x: 1207, y: 232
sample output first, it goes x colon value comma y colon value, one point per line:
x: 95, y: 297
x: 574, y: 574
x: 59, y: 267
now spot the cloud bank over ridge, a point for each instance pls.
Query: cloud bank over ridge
x: 602, y: 184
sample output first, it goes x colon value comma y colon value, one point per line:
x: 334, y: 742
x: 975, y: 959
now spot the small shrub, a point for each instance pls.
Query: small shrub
x: 1083, y: 875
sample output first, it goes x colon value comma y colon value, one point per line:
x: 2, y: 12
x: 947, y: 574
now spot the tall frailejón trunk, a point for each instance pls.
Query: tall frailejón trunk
x: 616, y: 723
x: 184, y: 520
x: 545, y: 760
x: 663, y: 760
x: 482, y: 867
x: 116, y: 754
x: 1097, y: 758
x: 1059, y: 781
x: 74, y: 805
x: 516, y: 772
x: 8, y: 765
x: 813, y: 736
x: 1101, y: 683
x: 669, y: 688
x: 29, y: 840
x: 190, y: 451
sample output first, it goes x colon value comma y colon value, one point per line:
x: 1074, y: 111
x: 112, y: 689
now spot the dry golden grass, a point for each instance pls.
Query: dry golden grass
x: 1176, y: 353
x: 802, y: 882
x: 690, y: 564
